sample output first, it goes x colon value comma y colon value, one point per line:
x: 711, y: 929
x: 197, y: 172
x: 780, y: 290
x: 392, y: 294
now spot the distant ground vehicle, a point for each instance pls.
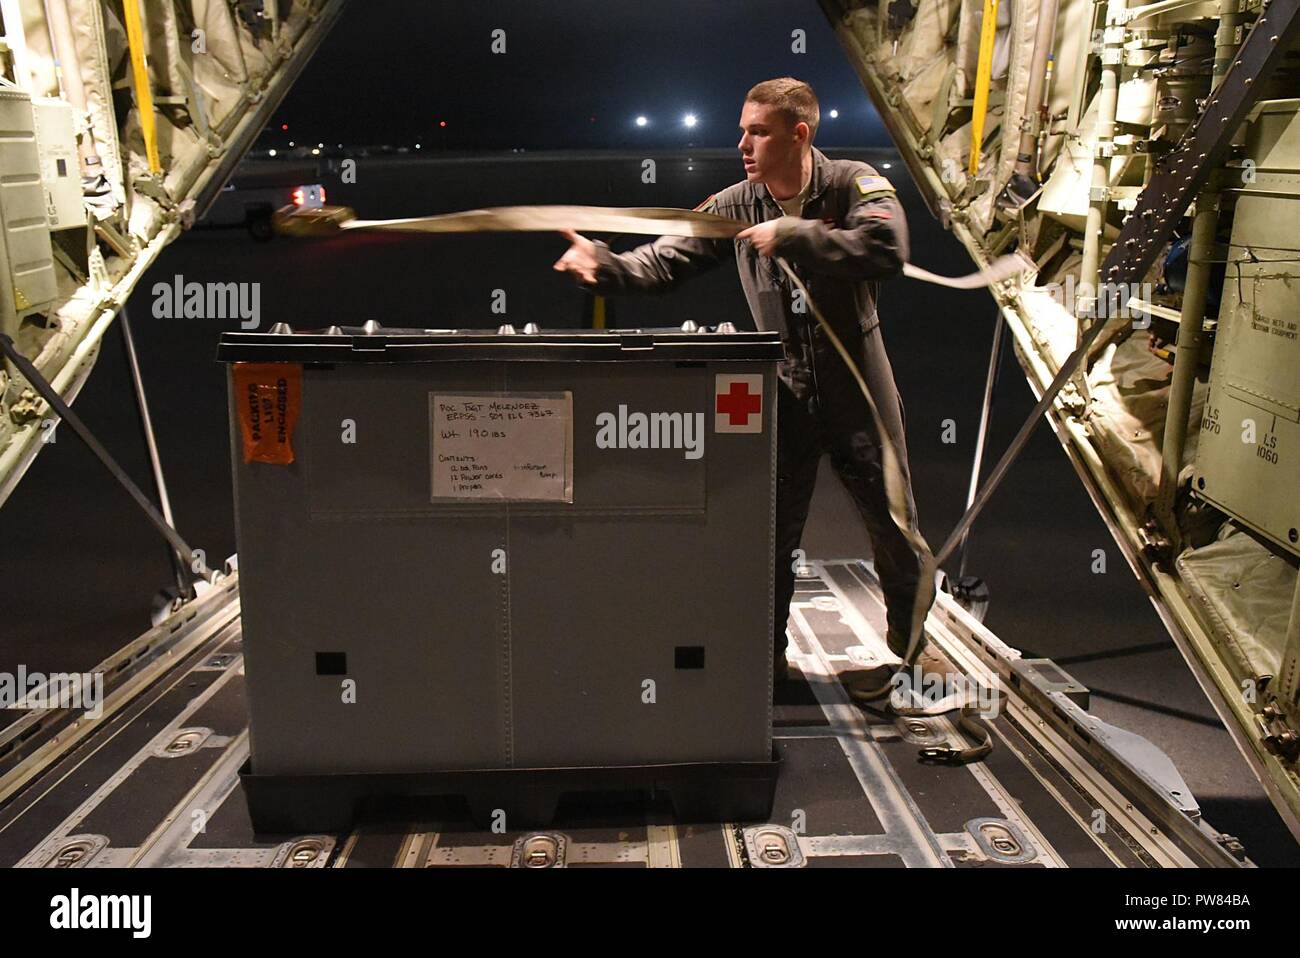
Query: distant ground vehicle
x: 257, y: 190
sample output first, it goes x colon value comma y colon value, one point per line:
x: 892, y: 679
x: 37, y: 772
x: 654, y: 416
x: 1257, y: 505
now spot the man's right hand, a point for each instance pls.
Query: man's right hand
x: 580, y: 260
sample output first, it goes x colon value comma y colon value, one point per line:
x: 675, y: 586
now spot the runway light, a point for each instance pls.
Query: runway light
x: 284, y: 126
x: 315, y: 152
x: 442, y: 122
x: 291, y: 142
x: 270, y: 152
x: 641, y: 121
x: 886, y: 166
x: 835, y: 114
x: 417, y: 146
x: 689, y: 119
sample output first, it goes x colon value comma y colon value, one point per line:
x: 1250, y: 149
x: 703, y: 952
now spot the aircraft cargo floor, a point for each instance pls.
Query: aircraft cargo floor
x: 155, y: 782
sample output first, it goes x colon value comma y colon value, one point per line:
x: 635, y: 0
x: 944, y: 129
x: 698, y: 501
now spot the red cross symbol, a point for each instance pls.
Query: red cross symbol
x: 738, y: 404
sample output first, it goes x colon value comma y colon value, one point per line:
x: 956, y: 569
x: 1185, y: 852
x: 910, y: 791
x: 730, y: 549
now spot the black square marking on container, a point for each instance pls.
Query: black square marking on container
x: 331, y: 663
x: 688, y: 657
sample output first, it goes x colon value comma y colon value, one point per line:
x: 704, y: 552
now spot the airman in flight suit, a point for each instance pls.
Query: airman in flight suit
x: 841, y: 227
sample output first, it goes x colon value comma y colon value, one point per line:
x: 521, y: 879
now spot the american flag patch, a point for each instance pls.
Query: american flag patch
x: 868, y: 184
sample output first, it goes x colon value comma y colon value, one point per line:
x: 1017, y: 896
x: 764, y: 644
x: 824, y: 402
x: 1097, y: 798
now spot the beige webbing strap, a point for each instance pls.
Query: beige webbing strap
x: 658, y: 221
x: 896, y: 488
x: 970, y: 721
x: 651, y: 220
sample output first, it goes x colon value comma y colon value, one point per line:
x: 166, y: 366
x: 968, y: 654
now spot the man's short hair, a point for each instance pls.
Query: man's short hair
x: 794, y: 98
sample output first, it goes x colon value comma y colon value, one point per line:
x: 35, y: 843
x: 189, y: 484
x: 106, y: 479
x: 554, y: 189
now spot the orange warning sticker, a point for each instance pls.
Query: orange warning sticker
x: 268, y: 396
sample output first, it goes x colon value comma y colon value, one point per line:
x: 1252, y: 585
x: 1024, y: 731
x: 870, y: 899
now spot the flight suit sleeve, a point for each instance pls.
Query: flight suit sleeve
x: 872, y: 244
x: 662, y: 265
x: 657, y: 267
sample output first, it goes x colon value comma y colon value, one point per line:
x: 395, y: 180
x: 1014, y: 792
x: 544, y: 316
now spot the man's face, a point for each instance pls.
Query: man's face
x: 769, y: 144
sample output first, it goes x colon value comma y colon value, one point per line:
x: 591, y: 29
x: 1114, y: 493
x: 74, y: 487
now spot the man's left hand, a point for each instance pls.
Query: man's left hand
x: 764, y: 236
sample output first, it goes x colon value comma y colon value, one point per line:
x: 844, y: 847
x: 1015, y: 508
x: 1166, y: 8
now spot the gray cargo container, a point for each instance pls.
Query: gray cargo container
x: 504, y: 551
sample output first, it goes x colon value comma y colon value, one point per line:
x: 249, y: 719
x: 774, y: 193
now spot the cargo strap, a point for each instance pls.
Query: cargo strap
x: 969, y: 721
x: 651, y: 220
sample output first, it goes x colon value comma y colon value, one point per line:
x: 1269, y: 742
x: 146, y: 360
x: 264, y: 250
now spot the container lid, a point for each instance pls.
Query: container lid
x: 375, y: 344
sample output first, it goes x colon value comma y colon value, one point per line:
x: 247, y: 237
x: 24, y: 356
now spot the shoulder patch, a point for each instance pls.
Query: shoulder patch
x: 869, y: 184
x: 707, y: 205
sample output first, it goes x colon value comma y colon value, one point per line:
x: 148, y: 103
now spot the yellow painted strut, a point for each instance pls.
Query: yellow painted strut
x: 140, y: 75
x: 983, y: 79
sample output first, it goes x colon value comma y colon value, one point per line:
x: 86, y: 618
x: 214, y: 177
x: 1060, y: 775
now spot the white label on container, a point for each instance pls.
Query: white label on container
x: 502, y: 446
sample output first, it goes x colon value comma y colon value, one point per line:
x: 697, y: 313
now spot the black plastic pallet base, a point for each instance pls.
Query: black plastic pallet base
x: 700, y: 792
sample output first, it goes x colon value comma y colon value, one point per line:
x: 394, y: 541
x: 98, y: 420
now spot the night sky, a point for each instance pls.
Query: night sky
x: 575, y: 74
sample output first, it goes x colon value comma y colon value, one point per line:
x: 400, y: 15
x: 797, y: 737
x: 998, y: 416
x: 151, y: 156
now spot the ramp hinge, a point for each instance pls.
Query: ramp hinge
x: 1233, y: 846
x: 1277, y: 732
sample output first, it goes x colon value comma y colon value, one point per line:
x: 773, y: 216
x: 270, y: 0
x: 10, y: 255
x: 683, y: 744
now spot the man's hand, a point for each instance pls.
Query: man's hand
x: 580, y: 260
x: 764, y: 236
